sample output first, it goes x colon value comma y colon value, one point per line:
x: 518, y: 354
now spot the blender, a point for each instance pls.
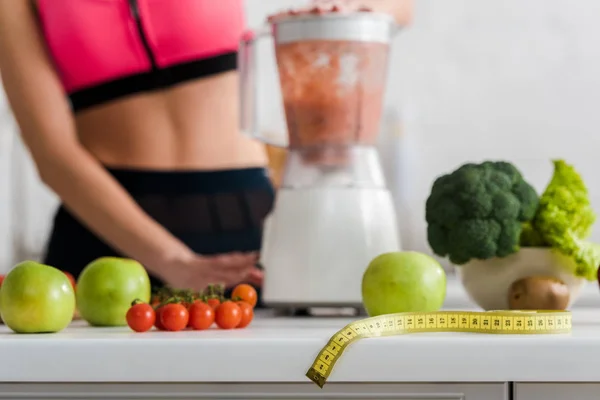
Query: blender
x: 333, y: 212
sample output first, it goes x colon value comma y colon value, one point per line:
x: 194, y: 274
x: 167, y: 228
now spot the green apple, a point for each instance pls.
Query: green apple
x: 36, y: 298
x: 106, y: 288
x: 403, y: 282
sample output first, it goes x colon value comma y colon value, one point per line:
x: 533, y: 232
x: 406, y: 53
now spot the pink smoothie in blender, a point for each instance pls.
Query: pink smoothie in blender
x: 332, y: 91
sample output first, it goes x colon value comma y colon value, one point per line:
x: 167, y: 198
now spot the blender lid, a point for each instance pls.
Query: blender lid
x: 358, y: 26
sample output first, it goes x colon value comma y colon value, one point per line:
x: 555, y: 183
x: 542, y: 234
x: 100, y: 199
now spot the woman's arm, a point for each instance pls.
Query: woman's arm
x: 85, y: 187
x: 402, y: 10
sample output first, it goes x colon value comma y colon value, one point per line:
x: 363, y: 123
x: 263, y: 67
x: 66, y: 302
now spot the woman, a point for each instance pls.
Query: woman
x: 129, y: 110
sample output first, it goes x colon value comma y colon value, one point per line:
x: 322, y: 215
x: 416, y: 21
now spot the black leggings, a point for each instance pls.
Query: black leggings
x: 212, y: 212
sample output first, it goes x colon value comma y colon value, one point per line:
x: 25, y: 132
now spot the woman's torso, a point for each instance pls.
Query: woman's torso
x: 152, y: 82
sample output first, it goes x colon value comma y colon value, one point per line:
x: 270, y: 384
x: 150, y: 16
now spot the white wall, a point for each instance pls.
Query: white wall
x: 25, y: 204
x: 501, y: 79
x: 6, y: 144
x: 470, y: 79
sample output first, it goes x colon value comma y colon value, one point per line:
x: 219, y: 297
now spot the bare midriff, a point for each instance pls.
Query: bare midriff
x: 193, y: 126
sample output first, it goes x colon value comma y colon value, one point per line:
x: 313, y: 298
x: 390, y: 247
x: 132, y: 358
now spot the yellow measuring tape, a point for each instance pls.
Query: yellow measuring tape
x: 495, y: 322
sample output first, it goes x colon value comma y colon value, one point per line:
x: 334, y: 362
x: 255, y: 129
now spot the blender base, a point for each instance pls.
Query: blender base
x: 280, y: 310
x: 319, y: 241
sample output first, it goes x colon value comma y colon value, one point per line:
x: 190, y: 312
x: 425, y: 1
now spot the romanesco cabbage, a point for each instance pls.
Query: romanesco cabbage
x: 564, y: 220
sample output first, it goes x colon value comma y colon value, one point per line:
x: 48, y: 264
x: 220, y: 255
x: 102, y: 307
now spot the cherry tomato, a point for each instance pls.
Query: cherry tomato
x: 247, y: 314
x: 202, y: 316
x: 155, y: 301
x: 213, y: 302
x: 174, y: 317
x: 157, y: 323
x: 189, y: 307
x: 228, y: 315
x: 71, y: 278
x: 1, y: 279
x: 141, y: 317
x: 245, y: 293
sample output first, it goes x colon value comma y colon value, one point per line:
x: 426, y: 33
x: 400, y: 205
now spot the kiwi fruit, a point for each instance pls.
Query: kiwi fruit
x: 538, y: 293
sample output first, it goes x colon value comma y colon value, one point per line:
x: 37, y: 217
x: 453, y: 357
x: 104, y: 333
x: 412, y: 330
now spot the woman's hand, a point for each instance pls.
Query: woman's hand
x: 196, y: 272
x: 402, y: 10
x: 255, y: 277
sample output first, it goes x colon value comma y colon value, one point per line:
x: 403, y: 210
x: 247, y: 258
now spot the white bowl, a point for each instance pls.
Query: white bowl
x: 487, y: 282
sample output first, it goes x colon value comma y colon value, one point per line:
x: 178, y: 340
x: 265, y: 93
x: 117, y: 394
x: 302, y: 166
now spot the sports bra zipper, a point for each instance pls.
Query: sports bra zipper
x: 135, y: 12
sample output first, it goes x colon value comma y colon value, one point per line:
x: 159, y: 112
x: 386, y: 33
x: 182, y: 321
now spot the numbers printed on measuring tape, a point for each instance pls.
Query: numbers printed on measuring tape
x: 493, y: 322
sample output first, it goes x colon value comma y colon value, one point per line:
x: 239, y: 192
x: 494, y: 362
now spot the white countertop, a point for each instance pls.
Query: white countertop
x: 282, y: 349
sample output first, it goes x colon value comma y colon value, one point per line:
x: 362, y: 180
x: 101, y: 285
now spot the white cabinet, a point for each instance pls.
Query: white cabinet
x: 557, y: 391
x: 306, y: 391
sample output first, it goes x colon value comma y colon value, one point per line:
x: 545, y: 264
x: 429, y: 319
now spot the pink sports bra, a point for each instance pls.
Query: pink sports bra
x: 108, y: 49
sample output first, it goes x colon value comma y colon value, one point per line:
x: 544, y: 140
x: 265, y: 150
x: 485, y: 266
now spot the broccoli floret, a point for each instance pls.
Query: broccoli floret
x: 477, y: 211
x: 565, y: 219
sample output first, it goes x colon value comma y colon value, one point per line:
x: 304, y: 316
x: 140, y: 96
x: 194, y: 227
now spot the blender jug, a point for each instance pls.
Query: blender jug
x: 332, y: 73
